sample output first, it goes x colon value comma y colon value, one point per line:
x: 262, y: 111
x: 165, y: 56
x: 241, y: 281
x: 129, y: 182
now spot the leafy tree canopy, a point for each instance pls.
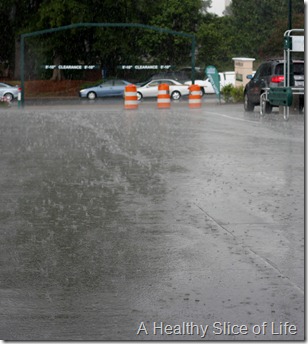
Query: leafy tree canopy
x: 250, y: 28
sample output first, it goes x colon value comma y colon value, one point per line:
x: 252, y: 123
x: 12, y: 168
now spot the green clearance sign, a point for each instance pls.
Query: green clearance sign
x: 214, y: 78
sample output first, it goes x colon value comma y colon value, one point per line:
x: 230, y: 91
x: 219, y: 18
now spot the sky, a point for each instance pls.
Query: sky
x: 218, y: 6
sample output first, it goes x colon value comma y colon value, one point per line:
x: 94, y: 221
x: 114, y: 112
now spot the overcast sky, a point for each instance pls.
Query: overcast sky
x: 218, y: 7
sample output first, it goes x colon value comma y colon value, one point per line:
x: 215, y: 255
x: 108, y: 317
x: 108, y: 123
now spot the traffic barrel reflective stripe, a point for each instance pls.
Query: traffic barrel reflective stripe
x: 130, y: 97
x: 163, y: 96
x: 195, y: 95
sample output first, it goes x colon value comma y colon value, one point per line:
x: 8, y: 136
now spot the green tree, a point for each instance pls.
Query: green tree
x: 15, y: 15
x: 7, y: 44
x: 177, y: 15
x: 215, y: 41
x: 256, y: 21
x: 273, y: 43
x: 251, y: 29
x: 114, y: 46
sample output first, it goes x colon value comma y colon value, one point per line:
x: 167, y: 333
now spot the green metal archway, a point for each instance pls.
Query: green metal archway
x: 78, y: 25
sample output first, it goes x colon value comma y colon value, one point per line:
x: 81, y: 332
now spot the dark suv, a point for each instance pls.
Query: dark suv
x: 270, y: 74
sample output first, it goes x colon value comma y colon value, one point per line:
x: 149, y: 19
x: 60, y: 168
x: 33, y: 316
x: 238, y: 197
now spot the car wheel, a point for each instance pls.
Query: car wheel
x: 248, y: 105
x: 265, y: 106
x: 268, y: 107
x: 9, y: 96
x: 91, y: 95
x: 139, y: 96
x: 176, y: 95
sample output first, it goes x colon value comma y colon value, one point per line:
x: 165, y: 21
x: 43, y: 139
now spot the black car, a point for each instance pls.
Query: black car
x: 270, y: 74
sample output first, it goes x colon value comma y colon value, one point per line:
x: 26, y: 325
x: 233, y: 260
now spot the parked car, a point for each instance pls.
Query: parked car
x: 109, y: 88
x: 150, y: 89
x: 206, y: 86
x: 177, y: 76
x: 180, y: 75
x: 270, y: 74
x: 9, y: 91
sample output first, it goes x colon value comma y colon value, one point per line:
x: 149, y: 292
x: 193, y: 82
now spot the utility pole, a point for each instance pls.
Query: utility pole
x: 290, y: 15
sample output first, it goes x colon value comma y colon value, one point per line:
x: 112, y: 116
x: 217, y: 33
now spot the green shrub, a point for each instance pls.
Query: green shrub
x: 226, y: 93
x: 232, y: 94
x: 237, y: 94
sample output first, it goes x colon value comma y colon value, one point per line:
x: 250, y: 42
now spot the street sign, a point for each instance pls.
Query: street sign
x: 72, y: 67
x: 280, y: 96
x: 144, y: 67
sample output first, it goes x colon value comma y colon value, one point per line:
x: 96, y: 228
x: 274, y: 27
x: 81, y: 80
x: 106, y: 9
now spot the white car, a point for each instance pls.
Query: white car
x: 8, y: 91
x: 150, y: 89
x: 206, y: 86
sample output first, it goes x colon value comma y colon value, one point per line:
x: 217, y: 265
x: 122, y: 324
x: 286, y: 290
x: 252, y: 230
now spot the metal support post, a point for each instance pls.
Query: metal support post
x: 22, y: 70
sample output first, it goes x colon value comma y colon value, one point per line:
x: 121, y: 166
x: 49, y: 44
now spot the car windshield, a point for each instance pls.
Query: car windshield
x: 154, y: 83
x: 119, y: 83
x: 107, y: 83
x: 5, y: 85
x: 279, y: 69
x: 144, y: 83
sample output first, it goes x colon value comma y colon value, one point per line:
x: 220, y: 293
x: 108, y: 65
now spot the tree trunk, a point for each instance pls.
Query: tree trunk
x: 57, y: 74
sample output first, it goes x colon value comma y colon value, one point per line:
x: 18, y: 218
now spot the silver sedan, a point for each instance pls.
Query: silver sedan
x: 109, y: 88
x: 8, y: 91
x: 150, y: 89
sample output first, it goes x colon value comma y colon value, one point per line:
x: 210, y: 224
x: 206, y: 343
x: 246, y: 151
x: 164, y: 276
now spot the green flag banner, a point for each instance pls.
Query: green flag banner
x: 214, y: 78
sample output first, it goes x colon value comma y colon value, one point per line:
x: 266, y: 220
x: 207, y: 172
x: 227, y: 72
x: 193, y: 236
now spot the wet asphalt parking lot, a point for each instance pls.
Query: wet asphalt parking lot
x: 176, y: 224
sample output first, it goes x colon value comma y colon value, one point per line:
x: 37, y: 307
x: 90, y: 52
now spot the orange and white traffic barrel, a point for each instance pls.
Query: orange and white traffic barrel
x: 163, y: 96
x: 130, y: 97
x: 195, y: 95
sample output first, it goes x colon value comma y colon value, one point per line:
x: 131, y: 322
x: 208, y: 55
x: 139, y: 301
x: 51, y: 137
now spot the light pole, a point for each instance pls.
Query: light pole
x: 290, y: 15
